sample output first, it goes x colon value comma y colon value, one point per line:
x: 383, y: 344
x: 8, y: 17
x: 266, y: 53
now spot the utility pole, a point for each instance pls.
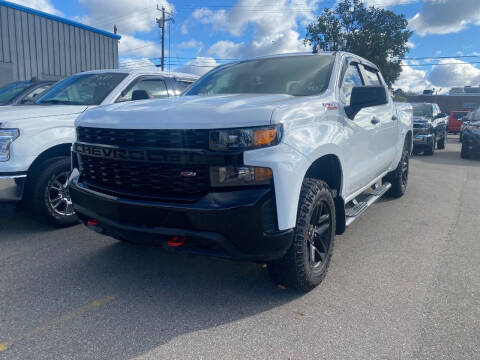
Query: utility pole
x: 161, y: 24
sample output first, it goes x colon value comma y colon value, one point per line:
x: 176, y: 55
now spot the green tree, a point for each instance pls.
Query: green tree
x: 378, y: 35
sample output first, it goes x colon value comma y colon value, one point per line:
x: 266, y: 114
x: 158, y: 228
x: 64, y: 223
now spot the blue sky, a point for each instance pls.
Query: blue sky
x: 207, y: 32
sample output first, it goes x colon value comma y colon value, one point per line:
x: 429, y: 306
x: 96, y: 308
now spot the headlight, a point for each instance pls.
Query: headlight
x: 6, y: 138
x: 245, y: 139
x: 239, y: 176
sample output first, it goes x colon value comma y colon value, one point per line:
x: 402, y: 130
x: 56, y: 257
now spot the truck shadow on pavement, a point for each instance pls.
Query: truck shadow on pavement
x: 448, y: 156
x: 158, y: 296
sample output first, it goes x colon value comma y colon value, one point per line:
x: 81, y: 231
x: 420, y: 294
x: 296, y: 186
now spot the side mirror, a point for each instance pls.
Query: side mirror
x: 440, y: 115
x: 365, y: 96
x: 140, y: 95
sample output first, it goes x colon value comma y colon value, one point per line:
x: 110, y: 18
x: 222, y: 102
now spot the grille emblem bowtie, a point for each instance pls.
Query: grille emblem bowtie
x: 188, y: 173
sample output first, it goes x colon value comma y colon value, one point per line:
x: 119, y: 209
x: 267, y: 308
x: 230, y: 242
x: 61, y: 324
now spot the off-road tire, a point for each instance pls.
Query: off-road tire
x: 441, y: 143
x: 35, y: 197
x: 399, y: 177
x: 431, y: 151
x: 465, y: 152
x: 294, y: 270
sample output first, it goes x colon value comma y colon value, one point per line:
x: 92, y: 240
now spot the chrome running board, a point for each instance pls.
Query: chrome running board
x: 359, y: 207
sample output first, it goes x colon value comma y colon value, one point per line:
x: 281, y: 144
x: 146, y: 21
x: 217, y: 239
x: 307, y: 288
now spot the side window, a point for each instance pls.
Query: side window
x: 182, y: 85
x: 30, y: 98
x: 372, y: 77
x: 351, y: 79
x: 156, y: 88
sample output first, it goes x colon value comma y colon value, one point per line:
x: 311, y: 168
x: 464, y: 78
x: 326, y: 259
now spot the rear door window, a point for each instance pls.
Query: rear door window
x: 156, y: 88
x: 372, y: 77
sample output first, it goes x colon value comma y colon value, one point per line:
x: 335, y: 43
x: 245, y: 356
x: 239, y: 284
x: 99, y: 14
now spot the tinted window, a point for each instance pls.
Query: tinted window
x: 422, y: 110
x: 9, y: 92
x: 182, y: 85
x: 293, y: 75
x: 84, y: 89
x: 155, y: 88
x: 459, y: 115
x: 372, y: 77
x: 31, y: 97
x: 351, y: 79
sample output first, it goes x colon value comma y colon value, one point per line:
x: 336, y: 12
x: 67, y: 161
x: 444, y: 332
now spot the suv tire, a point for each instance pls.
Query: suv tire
x: 399, y: 177
x: 306, y: 262
x: 47, y: 196
x: 431, y: 150
x: 465, y: 153
x: 441, y: 143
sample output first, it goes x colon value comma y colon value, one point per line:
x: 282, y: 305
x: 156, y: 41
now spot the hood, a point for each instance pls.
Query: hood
x: 187, y: 112
x: 14, y: 113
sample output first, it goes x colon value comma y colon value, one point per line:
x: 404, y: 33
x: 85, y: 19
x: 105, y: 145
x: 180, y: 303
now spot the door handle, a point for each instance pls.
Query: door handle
x: 394, y: 118
x: 374, y: 121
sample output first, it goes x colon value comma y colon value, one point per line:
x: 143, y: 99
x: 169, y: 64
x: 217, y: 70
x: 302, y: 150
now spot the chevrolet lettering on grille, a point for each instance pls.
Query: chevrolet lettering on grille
x: 120, y: 154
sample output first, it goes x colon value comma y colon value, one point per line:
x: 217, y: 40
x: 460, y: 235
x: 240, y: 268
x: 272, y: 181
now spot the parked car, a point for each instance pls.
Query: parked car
x: 264, y: 159
x: 455, y: 121
x: 35, y: 140
x: 471, y: 136
x: 23, y: 92
x: 429, y: 128
x: 465, y: 120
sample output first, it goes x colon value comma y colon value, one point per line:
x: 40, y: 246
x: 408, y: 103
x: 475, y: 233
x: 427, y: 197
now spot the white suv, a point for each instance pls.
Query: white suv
x: 35, y: 140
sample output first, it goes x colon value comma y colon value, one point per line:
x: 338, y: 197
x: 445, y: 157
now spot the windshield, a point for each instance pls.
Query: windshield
x: 9, y: 92
x: 293, y: 75
x: 84, y: 89
x: 422, y: 110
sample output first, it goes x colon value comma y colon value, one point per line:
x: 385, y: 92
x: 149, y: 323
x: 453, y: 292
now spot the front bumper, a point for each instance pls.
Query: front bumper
x: 11, y: 186
x: 238, y: 224
x: 422, y: 140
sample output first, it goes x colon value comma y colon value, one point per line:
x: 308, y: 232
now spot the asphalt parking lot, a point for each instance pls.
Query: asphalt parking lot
x: 403, y: 284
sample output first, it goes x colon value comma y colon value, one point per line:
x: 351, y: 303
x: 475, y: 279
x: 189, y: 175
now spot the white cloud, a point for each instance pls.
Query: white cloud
x: 199, y: 66
x: 42, y: 5
x: 274, y: 26
x: 133, y: 46
x: 412, y: 79
x: 445, y: 16
x: 130, y: 16
x: 454, y: 73
x: 387, y: 3
x: 411, y: 45
x: 191, y: 44
x: 137, y: 64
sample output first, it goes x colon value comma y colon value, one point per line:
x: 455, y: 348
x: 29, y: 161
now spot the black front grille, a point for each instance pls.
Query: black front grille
x: 166, y: 139
x: 144, y: 179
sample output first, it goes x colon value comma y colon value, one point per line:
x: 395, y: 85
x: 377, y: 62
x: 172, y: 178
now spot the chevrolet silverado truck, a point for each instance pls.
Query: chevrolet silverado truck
x: 263, y: 160
x: 429, y: 128
x: 36, y: 140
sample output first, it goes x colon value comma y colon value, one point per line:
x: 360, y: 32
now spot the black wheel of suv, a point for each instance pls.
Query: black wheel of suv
x: 399, y: 177
x: 431, y: 150
x: 441, y: 143
x: 465, y: 153
x: 306, y: 262
x: 47, y: 194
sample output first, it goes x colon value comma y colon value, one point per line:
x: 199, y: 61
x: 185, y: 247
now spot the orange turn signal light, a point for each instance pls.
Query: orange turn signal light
x: 264, y: 136
x: 263, y: 174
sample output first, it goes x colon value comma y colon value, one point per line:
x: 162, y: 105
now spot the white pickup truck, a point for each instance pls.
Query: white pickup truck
x: 264, y: 159
x: 35, y: 140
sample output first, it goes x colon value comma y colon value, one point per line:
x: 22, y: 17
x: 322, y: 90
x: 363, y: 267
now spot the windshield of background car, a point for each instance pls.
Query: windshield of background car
x: 84, y: 89
x: 293, y: 75
x: 422, y: 110
x: 459, y: 115
x: 9, y: 92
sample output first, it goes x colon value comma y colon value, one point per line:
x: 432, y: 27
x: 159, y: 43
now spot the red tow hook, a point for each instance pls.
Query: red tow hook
x: 176, y: 241
x: 92, y: 222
